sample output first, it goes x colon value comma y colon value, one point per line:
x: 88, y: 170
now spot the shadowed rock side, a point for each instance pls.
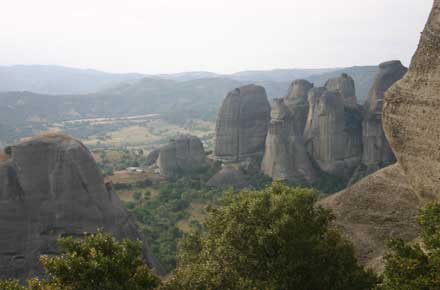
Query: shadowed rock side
x: 228, y: 177
x: 333, y: 134
x: 152, y: 157
x: 378, y: 207
x: 242, y: 122
x: 183, y: 154
x: 385, y: 204
x: 51, y: 186
x: 345, y: 85
x: 411, y: 113
x: 376, y: 150
x: 285, y: 157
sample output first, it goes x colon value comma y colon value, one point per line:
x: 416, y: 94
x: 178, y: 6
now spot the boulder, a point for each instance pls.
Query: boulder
x: 152, y: 157
x: 242, y: 123
x: 410, y: 115
x: 51, y: 187
x: 228, y: 177
x: 333, y: 134
x: 182, y: 155
x: 376, y: 150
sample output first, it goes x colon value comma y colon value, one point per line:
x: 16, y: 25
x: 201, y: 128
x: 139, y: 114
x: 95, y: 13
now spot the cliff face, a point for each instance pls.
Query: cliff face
x: 385, y: 204
x: 242, y: 123
x: 333, y: 134
x: 376, y: 150
x: 285, y: 157
x: 345, y: 85
x: 51, y: 186
x: 411, y: 118
x: 183, y: 154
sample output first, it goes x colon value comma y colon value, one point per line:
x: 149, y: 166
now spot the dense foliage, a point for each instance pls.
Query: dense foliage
x: 96, y: 262
x: 276, y: 238
x: 416, y: 266
x: 160, y: 214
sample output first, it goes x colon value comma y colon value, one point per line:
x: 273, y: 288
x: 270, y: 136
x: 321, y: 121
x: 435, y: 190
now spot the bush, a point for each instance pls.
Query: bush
x: 409, y: 267
x: 276, y: 238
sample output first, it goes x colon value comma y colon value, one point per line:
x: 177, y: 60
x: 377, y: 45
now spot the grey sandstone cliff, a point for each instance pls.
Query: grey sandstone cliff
x: 51, y: 187
x: 345, y: 85
x: 333, y: 133
x: 376, y: 150
x: 242, y: 124
x: 285, y: 156
x: 385, y: 204
x: 182, y: 155
x: 411, y: 113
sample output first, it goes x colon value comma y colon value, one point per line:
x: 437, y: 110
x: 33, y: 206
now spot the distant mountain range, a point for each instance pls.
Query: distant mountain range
x: 34, y: 95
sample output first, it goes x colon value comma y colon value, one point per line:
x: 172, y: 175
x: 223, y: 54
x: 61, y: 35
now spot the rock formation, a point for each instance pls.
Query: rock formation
x: 228, y: 177
x: 345, y: 85
x: 381, y: 206
x: 376, y: 150
x: 333, y: 134
x: 411, y: 113
x: 183, y: 154
x: 51, y: 187
x: 285, y: 157
x: 242, y: 122
x: 152, y: 157
x: 385, y: 203
x: 296, y: 101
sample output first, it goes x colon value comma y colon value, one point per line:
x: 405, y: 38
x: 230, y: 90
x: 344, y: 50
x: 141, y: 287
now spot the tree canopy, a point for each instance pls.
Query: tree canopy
x: 276, y: 238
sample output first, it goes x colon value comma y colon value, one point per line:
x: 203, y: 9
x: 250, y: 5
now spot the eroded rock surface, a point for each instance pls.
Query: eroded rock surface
x: 51, y: 186
x: 376, y: 150
x: 345, y: 85
x: 228, y: 177
x: 242, y: 123
x: 411, y: 113
x: 333, y: 133
x: 384, y: 204
x: 152, y: 157
x: 182, y: 155
x: 285, y: 156
x: 379, y: 207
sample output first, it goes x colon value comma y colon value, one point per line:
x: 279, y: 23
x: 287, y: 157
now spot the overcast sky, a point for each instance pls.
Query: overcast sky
x: 164, y: 36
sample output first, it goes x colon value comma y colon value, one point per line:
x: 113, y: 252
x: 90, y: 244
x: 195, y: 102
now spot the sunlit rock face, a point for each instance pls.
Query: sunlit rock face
x: 51, y: 187
x: 333, y: 133
x: 242, y: 124
x: 182, y: 155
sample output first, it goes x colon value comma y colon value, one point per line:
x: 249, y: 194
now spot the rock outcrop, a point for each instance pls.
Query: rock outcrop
x: 381, y: 206
x: 51, y: 187
x: 242, y: 123
x: 345, y: 85
x: 410, y: 115
x: 182, y: 155
x: 376, y: 150
x: 285, y: 156
x: 152, y: 157
x: 333, y: 133
x: 228, y: 177
x: 384, y: 204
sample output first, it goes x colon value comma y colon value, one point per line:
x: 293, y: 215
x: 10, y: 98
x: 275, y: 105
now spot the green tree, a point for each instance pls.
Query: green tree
x: 276, y: 238
x: 97, y: 262
x: 416, y: 266
x: 10, y: 285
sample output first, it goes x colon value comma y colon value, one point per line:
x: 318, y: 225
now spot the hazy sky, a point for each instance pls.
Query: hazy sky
x: 163, y: 36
